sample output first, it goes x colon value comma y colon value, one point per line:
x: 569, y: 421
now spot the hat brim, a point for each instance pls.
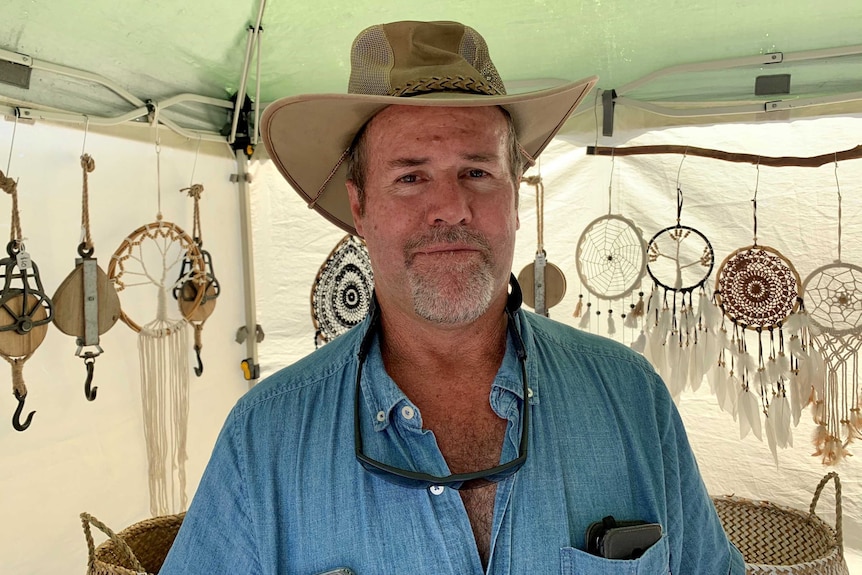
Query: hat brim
x: 307, y: 135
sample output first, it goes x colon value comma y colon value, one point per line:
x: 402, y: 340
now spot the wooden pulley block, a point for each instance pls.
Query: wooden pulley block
x: 188, y: 300
x: 22, y: 327
x: 555, y: 285
x: 70, y: 301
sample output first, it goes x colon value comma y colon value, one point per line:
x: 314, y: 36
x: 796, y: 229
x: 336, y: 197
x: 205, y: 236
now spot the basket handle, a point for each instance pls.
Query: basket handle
x: 838, y: 528
x: 86, y: 519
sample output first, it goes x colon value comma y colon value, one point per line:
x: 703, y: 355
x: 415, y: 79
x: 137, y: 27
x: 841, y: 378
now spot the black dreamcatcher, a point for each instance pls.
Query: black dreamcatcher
x: 682, y: 320
x: 342, y: 291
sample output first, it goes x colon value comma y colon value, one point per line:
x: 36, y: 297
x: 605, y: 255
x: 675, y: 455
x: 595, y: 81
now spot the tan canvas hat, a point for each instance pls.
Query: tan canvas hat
x: 405, y: 63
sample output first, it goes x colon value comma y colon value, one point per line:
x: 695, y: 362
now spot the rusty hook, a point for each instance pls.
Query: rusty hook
x: 16, y: 419
x: 200, y: 368
x: 90, y: 393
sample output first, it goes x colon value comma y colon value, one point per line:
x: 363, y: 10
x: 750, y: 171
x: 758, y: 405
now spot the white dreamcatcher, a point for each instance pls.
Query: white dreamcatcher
x: 759, y: 292
x: 834, y: 296
x: 611, y: 263
x: 151, y: 257
x: 682, y: 334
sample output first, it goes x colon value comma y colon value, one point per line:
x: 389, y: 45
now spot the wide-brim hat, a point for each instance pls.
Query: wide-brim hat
x: 409, y: 64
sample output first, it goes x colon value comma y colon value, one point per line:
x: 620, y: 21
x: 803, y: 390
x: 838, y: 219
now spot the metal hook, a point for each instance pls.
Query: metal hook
x: 90, y: 392
x: 16, y: 419
x: 200, y: 368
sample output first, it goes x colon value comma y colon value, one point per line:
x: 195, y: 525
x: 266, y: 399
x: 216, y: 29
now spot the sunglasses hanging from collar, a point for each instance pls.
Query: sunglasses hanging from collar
x: 86, y: 304
x: 543, y: 283
x: 342, y: 291
x: 197, y: 308
x: 146, y: 259
x: 758, y: 289
x: 611, y: 264
x: 681, y: 332
x: 833, y: 293
x: 25, y: 308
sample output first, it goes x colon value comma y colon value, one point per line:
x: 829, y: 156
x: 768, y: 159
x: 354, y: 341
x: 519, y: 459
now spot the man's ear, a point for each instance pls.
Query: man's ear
x: 355, y: 210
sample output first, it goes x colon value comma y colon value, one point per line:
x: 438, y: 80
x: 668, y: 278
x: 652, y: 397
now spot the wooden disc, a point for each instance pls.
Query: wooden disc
x: 555, y: 285
x: 12, y: 343
x: 69, y: 303
x: 188, y: 301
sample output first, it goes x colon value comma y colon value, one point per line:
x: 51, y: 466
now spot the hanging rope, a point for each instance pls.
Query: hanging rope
x: 838, y: 185
x: 754, y: 202
x: 195, y: 191
x: 88, y: 165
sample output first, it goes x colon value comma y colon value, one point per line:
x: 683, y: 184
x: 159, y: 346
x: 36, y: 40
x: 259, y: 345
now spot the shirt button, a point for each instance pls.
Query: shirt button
x: 529, y: 392
x: 407, y: 412
x: 436, y: 489
x: 381, y: 416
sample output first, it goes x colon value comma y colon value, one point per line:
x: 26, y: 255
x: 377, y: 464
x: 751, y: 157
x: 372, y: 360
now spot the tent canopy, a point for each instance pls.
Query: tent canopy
x: 137, y: 52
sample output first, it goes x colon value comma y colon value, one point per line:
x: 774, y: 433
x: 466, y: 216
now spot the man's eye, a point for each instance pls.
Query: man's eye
x: 408, y: 179
x: 476, y: 173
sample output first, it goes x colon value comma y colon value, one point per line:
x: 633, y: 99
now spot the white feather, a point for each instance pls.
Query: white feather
x: 696, y: 369
x: 798, y: 398
x: 711, y: 349
x: 779, y: 414
x: 585, y: 319
x: 639, y: 345
x: 744, y: 414
x: 794, y: 345
x: 734, y: 385
x: 654, y: 302
x: 792, y: 324
x: 718, y: 383
x: 770, y: 439
x: 710, y: 312
x: 748, y: 410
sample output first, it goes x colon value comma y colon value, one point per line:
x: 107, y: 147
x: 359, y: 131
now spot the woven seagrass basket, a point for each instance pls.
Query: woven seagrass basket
x: 781, y: 540
x: 138, y: 549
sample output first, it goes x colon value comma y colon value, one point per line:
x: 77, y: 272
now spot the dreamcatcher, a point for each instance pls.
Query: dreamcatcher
x: 25, y: 308
x: 194, y: 308
x: 681, y: 338
x: 543, y: 284
x: 149, y: 256
x: 834, y: 296
x: 758, y: 290
x: 86, y: 304
x: 341, y: 293
x: 611, y: 262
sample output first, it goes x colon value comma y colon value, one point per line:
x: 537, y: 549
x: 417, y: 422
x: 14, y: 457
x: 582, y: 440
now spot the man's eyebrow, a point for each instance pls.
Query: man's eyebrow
x: 407, y: 162
x: 482, y: 158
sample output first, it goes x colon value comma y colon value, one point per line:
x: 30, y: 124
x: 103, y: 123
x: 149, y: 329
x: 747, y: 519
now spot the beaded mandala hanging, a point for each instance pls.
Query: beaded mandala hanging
x: 342, y: 290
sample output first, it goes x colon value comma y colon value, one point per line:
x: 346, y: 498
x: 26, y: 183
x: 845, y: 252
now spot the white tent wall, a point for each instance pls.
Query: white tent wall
x: 797, y: 214
x: 90, y: 456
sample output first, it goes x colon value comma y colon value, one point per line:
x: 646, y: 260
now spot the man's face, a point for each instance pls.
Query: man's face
x: 439, y: 214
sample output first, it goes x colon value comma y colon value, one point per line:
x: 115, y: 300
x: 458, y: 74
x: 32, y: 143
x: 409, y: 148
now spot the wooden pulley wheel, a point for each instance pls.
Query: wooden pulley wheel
x: 189, y: 293
x: 16, y: 318
x: 69, y: 303
x: 555, y: 285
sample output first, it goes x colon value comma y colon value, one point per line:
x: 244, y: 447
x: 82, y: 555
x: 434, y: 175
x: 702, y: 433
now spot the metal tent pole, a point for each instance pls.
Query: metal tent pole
x: 250, y: 333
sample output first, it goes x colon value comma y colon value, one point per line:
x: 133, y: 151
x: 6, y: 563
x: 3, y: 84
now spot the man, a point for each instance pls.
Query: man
x: 450, y: 432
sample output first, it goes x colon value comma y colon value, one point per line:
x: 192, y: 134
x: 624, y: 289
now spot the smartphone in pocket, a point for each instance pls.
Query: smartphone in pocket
x: 613, y: 539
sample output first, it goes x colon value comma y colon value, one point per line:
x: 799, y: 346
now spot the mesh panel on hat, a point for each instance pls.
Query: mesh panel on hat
x: 371, y: 61
x: 474, y: 49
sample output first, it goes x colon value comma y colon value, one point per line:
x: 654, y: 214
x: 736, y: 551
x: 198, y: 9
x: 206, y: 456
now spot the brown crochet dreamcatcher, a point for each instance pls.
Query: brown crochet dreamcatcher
x: 86, y: 304
x: 681, y: 329
x: 833, y: 293
x: 342, y: 291
x: 25, y: 308
x: 758, y: 289
x: 149, y: 258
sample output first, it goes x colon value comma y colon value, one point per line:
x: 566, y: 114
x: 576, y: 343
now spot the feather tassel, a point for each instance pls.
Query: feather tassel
x: 749, y: 415
x: 639, y: 345
x: 585, y: 319
x: 612, y: 328
x: 579, y: 309
x: 639, y: 307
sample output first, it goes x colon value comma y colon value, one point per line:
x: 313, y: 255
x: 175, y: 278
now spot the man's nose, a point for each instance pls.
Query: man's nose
x: 449, y: 203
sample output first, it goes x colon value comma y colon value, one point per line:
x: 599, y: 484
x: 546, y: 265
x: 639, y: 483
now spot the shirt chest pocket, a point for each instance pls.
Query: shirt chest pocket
x: 656, y: 561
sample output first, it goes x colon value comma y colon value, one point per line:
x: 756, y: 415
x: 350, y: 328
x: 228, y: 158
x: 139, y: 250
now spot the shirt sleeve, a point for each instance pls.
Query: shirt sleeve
x: 217, y: 534
x: 702, y: 545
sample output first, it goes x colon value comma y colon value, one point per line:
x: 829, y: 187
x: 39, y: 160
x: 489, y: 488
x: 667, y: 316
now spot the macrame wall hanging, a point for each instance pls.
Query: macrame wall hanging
x: 86, y: 304
x: 341, y: 293
x: 197, y: 309
x: 757, y: 289
x: 611, y: 263
x: 833, y: 293
x: 682, y: 321
x: 149, y: 258
x: 25, y: 308
x: 542, y: 283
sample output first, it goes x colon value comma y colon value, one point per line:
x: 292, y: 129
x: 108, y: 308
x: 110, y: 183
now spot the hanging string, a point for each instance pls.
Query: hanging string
x: 754, y: 202
x: 838, y: 185
x: 195, y: 163
x: 158, y: 168
x: 611, y: 183
x: 596, y: 118
x: 88, y: 164
x: 10, y: 186
x: 678, y: 189
x: 12, y: 144
x: 194, y: 191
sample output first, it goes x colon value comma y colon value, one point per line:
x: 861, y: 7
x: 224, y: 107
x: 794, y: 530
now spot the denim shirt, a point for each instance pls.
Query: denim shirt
x: 284, y: 494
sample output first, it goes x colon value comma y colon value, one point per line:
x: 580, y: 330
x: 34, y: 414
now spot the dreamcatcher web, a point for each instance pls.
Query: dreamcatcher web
x: 610, y: 257
x: 341, y: 294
